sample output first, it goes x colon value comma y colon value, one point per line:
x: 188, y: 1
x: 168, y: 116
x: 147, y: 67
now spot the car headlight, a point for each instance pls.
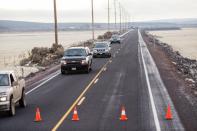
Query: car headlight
x: 4, y: 98
x: 107, y: 50
x: 63, y: 62
x: 94, y: 51
x: 83, y: 62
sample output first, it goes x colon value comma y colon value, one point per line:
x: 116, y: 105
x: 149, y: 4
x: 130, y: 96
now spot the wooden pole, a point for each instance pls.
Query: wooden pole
x: 92, y: 4
x: 55, y: 25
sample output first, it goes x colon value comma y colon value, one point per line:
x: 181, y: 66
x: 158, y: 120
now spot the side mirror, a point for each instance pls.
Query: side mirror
x: 15, y: 83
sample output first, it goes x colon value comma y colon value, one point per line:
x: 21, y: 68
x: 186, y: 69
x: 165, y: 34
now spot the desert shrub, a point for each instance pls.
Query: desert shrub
x: 36, y: 58
x: 42, y: 51
x: 56, y: 47
x: 59, y: 52
x: 45, y: 62
x: 100, y: 37
x: 24, y: 61
x: 107, y: 35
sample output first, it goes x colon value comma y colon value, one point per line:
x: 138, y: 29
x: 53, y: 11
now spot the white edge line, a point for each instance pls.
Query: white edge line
x: 81, y: 101
x: 42, y: 84
x: 125, y: 33
x: 96, y: 81
x: 105, y: 68
x: 156, y: 120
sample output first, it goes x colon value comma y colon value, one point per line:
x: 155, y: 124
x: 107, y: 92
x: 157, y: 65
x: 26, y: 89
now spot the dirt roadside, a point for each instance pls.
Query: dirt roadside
x: 180, y: 91
x: 35, y: 77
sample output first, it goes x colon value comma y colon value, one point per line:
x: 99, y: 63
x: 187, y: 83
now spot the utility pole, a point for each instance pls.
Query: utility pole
x: 92, y: 3
x: 55, y: 20
x: 120, y: 17
x: 115, y: 13
x: 108, y: 17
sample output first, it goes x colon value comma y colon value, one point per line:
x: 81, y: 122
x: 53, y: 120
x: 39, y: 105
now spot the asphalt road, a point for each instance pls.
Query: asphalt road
x: 99, y: 96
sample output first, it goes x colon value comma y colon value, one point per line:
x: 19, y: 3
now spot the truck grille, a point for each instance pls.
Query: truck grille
x: 2, y: 93
x: 73, y: 62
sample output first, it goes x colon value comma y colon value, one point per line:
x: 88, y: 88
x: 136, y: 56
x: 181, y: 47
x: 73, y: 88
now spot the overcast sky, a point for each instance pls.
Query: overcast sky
x: 80, y: 11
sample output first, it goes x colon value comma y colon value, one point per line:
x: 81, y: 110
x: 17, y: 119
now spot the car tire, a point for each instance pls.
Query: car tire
x: 88, y: 69
x: 62, y: 72
x: 91, y: 66
x: 12, y: 110
x: 22, y: 101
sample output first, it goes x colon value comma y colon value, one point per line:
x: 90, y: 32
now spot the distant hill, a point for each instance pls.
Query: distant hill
x: 187, y: 22
x: 22, y: 26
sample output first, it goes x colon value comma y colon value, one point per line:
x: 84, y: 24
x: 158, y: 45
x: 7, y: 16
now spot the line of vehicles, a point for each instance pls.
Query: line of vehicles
x: 80, y: 58
x: 12, y: 88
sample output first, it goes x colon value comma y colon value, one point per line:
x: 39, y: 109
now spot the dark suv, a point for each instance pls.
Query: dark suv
x: 76, y: 59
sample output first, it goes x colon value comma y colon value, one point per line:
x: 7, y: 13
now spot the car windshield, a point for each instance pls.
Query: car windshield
x: 102, y: 45
x: 75, y: 52
x: 4, y: 80
x: 115, y: 36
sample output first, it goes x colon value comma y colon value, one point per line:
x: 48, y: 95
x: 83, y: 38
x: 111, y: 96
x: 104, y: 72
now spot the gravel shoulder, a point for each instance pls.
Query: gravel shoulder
x: 182, y: 92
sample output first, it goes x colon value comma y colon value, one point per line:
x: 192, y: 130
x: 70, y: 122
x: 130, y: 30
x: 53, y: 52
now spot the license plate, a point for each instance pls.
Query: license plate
x: 100, y: 53
x: 74, y: 69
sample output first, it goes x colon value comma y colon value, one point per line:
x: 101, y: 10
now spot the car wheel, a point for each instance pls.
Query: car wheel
x: 66, y: 72
x: 22, y: 101
x: 62, y: 72
x: 91, y: 66
x: 12, y: 111
x: 109, y: 56
x: 88, y: 69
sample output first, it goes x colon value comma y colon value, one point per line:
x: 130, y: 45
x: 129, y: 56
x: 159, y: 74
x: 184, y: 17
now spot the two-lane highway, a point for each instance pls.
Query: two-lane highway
x: 98, y: 96
x: 53, y: 98
x: 118, y: 86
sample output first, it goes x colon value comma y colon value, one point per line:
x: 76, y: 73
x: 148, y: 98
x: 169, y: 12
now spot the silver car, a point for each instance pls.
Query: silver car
x: 12, y: 91
x: 115, y: 39
x: 102, y: 49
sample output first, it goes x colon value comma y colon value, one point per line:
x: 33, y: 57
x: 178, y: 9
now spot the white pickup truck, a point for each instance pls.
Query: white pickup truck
x: 12, y: 90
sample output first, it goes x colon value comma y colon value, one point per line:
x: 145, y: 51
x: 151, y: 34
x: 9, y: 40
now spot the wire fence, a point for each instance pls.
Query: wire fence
x: 13, y: 63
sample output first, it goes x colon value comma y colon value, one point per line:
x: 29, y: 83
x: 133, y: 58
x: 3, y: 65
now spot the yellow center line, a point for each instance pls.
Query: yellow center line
x: 77, y: 100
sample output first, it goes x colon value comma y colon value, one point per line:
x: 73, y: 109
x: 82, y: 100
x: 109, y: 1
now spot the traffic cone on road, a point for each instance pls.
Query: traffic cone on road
x: 123, y: 116
x: 75, y: 115
x: 168, y: 113
x: 38, y: 116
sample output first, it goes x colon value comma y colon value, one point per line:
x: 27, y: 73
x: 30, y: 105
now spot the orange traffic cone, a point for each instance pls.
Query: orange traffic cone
x: 168, y: 113
x: 123, y: 116
x: 38, y: 116
x: 75, y: 115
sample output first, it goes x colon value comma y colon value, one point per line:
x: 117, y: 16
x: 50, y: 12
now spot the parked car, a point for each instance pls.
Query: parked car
x: 76, y: 59
x: 115, y: 39
x: 102, y: 49
x: 12, y: 90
